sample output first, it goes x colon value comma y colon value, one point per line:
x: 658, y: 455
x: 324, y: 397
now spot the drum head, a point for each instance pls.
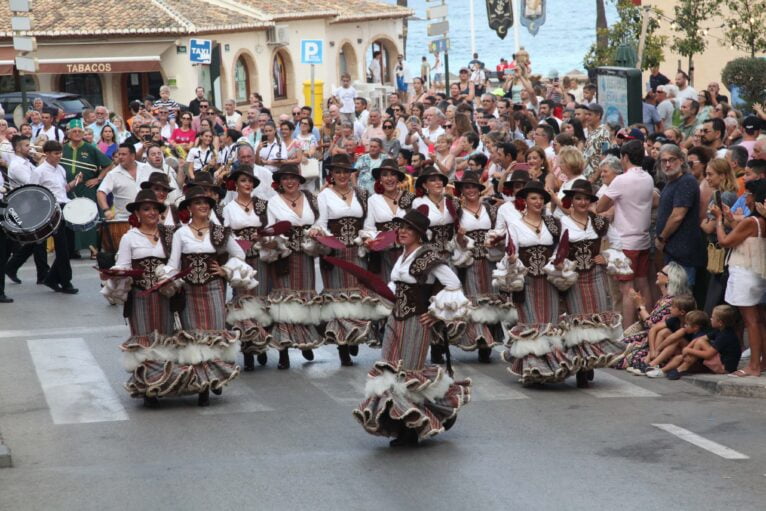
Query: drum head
x: 80, y: 211
x: 29, y: 208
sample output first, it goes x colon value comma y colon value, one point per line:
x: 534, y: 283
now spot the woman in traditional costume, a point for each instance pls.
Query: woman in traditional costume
x: 348, y: 308
x: 248, y: 311
x: 405, y: 398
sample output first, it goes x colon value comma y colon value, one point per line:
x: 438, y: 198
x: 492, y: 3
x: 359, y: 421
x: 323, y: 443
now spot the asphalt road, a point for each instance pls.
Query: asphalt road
x: 287, y: 440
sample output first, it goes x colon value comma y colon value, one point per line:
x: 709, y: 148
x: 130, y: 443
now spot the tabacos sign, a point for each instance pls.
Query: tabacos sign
x: 200, y: 51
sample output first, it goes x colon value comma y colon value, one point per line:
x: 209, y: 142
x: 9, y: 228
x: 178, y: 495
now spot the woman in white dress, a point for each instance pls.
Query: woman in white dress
x: 272, y: 151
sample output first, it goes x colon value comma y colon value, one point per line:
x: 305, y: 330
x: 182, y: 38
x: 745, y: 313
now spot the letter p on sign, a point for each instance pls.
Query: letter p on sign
x: 311, y: 51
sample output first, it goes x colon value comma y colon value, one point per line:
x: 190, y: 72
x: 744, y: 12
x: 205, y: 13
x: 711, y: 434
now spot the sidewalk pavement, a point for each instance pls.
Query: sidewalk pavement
x: 726, y: 385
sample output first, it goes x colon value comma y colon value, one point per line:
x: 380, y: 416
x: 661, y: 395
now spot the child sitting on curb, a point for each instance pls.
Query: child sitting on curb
x: 658, y: 333
x: 718, y: 352
x: 696, y: 324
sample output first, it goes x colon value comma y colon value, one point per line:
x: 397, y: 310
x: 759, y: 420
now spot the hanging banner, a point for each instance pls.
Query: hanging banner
x: 500, y: 16
x: 532, y: 15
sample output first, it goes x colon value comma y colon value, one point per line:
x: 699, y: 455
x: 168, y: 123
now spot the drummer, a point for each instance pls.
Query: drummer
x: 52, y: 176
x: 123, y: 183
x: 3, y: 251
x: 81, y: 157
x: 21, y: 171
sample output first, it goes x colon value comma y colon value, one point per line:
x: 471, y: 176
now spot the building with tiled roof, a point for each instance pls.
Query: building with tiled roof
x: 114, y: 51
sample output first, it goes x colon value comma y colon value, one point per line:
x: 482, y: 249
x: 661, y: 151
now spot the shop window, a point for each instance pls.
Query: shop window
x: 279, y: 76
x: 87, y: 86
x: 241, y: 80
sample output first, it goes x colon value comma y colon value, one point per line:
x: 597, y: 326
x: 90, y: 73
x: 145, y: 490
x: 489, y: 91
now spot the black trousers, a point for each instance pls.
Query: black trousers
x: 22, y: 252
x: 61, y: 270
x: 3, y: 259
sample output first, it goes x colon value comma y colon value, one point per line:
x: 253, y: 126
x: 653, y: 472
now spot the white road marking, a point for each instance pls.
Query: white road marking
x: 44, y: 332
x: 702, y: 442
x: 75, y: 387
x: 486, y: 388
x: 605, y: 385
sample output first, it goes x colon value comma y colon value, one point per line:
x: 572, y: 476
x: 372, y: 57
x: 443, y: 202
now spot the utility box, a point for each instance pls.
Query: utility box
x: 619, y: 93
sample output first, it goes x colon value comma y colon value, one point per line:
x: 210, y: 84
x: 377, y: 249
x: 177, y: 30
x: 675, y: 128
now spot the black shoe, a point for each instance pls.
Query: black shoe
x: 284, y: 359
x: 262, y: 358
x: 591, y: 374
x: 408, y: 437
x: 75, y: 255
x: 249, y: 362
x: 53, y: 286
x: 40, y: 282
x: 437, y: 354
x: 353, y: 350
x: 203, y: 398
x: 308, y: 354
x: 12, y: 275
x: 345, y: 358
x: 582, y: 379
x: 449, y: 423
x: 151, y: 402
x: 484, y: 355
x: 5, y: 299
x: 217, y: 390
x: 69, y: 290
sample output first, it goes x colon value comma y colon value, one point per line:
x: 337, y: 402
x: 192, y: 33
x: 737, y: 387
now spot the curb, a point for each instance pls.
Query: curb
x: 726, y: 385
x: 5, y: 455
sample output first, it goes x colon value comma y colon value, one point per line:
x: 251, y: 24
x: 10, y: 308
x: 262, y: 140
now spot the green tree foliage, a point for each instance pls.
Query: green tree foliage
x: 749, y: 75
x: 746, y: 22
x: 691, y: 37
x: 627, y: 30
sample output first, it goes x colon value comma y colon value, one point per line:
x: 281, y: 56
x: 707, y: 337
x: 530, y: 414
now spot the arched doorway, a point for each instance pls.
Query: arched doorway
x: 138, y: 86
x: 86, y: 85
x: 347, y: 62
x: 389, y: 52
x: 245, y: 78
x: 282, y: 76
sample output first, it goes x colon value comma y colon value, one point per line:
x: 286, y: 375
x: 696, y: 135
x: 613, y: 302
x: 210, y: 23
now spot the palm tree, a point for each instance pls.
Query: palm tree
x: 602, y: 39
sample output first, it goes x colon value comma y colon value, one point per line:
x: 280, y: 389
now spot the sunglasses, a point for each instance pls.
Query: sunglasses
x: 211, y: 112
x: 447, y: 125
x: 388, y: 127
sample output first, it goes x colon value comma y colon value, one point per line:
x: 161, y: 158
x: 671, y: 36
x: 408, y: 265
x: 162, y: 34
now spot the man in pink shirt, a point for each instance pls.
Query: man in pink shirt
x: 632, y: 194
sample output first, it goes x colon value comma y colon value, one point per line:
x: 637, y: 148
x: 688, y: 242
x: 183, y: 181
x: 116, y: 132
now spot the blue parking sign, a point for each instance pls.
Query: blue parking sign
x: 311, y: 51
x: 200, y: 51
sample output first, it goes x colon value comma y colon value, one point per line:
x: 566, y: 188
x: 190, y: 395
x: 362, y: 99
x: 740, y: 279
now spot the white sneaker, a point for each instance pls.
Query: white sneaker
x: 655, y: 373
x: 745, y: 354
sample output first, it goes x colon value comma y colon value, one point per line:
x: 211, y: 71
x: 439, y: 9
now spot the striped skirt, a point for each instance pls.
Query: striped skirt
x: 534, y: 346
x: 348, y: 307
x: 488, y: 312
x: 592, y: 329
x: 198, y: 358
x: 403, y: 392
x: 294, y: 305
x: 247, y: 312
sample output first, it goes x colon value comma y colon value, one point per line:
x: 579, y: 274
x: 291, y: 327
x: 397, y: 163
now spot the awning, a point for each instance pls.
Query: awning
x: 93, y: 57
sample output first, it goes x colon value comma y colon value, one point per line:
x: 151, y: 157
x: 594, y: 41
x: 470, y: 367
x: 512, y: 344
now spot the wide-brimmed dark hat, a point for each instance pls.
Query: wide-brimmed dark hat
x: 203, y: 179
x: 145, y: 197
x: 417, y: 220
x: 469, y: 178
x: 244, y: 170
x: 196, y: 192
x: 341, y: 161
x: 288, y: 170
x: 388, y: 164
x: 157, y: 179
x: 533, y: 186
x: 582, y: 186
x: 519, y: 175
x: 428, y: 172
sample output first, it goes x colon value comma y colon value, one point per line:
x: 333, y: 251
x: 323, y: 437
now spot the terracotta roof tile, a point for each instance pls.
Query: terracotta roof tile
x: 341, y: 10
x: 120, y: 17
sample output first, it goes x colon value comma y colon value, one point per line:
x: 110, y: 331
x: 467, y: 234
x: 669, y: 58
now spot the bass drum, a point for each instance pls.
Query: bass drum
x: 31, y: 214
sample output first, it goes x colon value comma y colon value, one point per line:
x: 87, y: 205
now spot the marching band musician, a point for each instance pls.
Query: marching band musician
x: 52, y: 176
x: 3, y: 250
x: 21, y: 171
x: 123, y: 183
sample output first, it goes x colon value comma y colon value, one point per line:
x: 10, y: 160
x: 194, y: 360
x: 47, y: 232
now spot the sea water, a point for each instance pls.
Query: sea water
x: 560, y: 44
